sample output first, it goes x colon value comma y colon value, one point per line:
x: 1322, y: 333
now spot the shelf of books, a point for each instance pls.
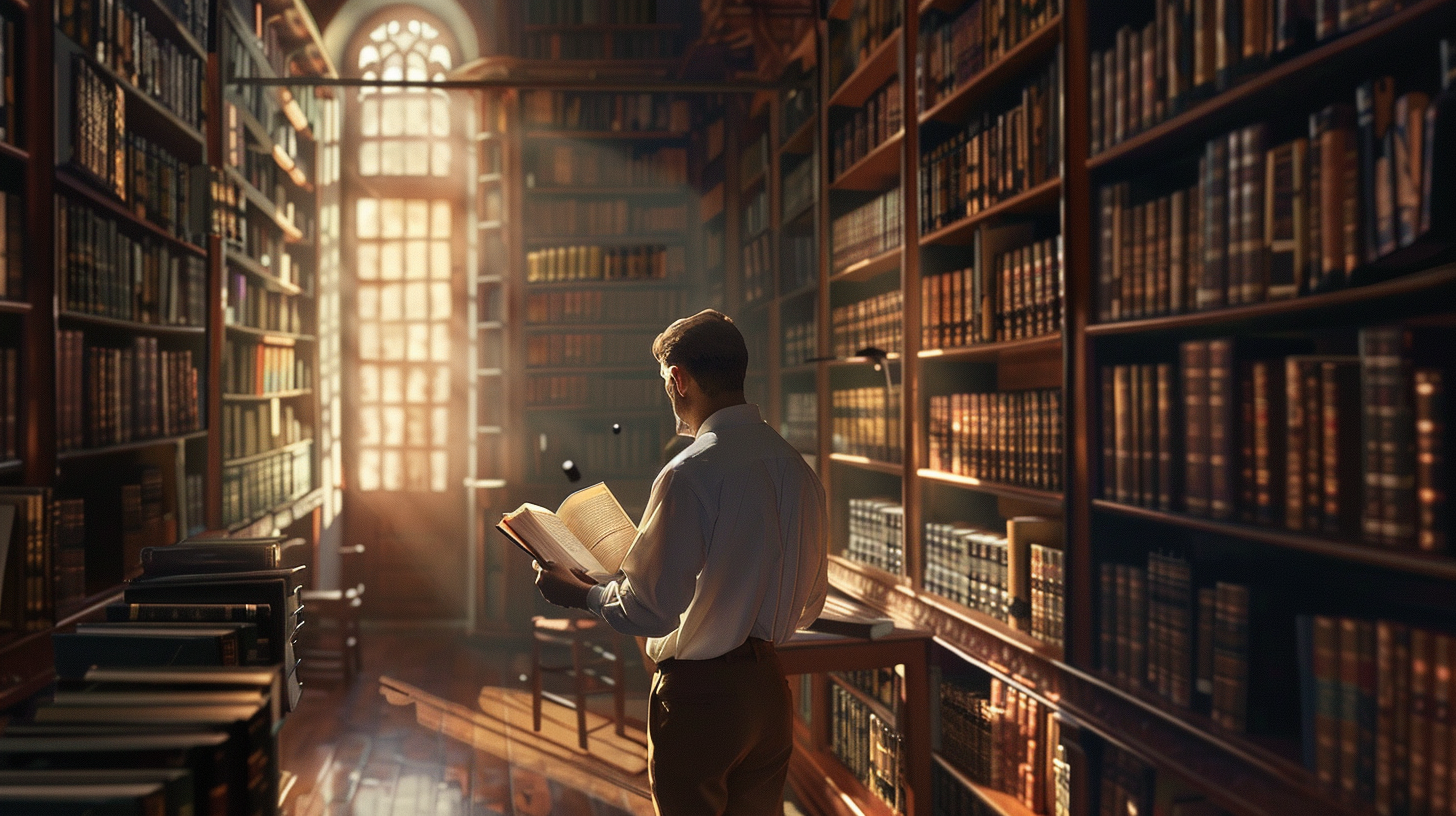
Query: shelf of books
x: 607, y: 225
x: 608, y: 32
x: 1161, y: 511
x: 110, y: 426
x: 265, y: 189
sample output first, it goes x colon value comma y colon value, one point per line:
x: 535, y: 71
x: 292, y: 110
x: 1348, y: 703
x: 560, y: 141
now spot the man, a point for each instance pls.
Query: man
x: 729, y: 560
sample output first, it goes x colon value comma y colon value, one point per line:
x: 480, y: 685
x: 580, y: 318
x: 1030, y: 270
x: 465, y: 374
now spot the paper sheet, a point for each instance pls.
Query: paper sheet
x: 551, y: 539
x: 600, y: 523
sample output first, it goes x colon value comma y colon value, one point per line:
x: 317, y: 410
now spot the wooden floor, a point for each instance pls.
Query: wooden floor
x: 354, y: 753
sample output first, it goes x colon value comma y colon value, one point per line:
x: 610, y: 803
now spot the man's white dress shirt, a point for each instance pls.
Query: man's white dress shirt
x: 732, y: 544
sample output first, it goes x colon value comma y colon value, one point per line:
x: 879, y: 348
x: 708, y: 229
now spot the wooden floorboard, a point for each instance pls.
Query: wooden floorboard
x: 356, y: 754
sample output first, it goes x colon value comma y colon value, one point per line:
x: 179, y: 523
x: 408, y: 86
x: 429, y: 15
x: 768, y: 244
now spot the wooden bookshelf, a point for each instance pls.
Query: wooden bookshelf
x: 1244, y: 773
x: 1282, y: 84
x: 879, y: 170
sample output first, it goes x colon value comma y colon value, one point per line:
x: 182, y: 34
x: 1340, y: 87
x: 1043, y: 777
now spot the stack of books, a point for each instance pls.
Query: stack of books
x: 173, y: 703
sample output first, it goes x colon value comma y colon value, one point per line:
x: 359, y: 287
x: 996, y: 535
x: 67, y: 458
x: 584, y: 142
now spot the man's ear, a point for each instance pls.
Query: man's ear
x: 680, y: 380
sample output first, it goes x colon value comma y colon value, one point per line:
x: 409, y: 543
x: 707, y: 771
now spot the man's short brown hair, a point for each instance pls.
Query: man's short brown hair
x: 709, y: 348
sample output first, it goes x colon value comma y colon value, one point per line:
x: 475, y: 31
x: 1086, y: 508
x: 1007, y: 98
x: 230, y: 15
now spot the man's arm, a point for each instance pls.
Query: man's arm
x: 659, y: 576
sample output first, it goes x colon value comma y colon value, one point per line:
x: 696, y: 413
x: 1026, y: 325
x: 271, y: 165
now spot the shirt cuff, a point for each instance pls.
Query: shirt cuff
x: 595, y: 597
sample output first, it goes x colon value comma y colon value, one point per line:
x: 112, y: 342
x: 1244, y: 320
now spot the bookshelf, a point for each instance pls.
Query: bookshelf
x: 1048, y: 332
x: 268, y: 181
x: 114, y: 389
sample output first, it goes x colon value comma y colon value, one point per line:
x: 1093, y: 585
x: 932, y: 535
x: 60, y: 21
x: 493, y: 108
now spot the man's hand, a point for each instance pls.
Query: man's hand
x: 562, y: 586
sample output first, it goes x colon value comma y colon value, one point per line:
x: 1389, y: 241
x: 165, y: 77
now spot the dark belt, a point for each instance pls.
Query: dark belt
x: 752, y: 649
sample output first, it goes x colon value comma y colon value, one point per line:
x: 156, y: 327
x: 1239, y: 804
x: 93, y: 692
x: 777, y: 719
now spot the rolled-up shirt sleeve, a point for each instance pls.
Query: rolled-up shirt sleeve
x: 659, y: 575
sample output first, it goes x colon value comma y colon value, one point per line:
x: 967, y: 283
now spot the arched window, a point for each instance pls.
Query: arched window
x: 405, y: 131
x: 406, y: 228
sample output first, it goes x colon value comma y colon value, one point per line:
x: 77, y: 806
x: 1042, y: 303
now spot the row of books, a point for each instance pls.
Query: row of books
x: 585, y: 263
x: 868, y: 745
x: 866, y: 422
x: 1159, y: 69
x: 754, y: 217
x: 12, y: 246
x: 801, y: 187
x: 261, y: 368
x: 148, y: 179
x: 594, y: 391
x: 968, y: 565
x: 112, y: 395
x: 1017, y: 295
x: 883, y: 684
x: 800, y: 343
x: 799, y: 256
x: 1375, y: 702
x: 950, y: 797
x: 26, y: 585
x: 571, y: 217
x: 586, y: 164
x: 277, y: 174
x: 870, y: 23
x: 1013, y: 577
x: 257, y: 487
x: 571, y: 349
x: 9, y: 402
x: 193, y: 504
x: 1000, y: 738
x: 267, y: 104
x: 145, y: 521
x: 588, y: 111
x: 868, y: 230
x: 877, y: 534
x: 1189, y: 644
x: 875, y: 322
x: 957, y: 45
x: 119, y: 38
x: 251, y: 304
x: 800, y: 423
x: 1048, y: 594
x: 758, y: 273
x: 9, y: 59
x: 1267, y: 222
x: 258, y: 427
x: 1341, y: 445
x: 598, y: 45
x: 601, y: 452
x: 589, y: 12
x: 109, y: 273
x: 1011, y: 437
x: 865, y: 128
x: 596, y: 306
x: 997, y: 155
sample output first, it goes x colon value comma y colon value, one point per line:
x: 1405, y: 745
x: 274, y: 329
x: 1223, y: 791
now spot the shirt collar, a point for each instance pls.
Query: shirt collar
x: 732, y: 416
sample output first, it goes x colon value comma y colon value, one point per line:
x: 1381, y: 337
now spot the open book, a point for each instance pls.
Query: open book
x: 590, y: 530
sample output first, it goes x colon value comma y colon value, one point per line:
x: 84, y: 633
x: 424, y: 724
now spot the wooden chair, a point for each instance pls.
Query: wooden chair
x: 592, y: 645
x: 331, y: 651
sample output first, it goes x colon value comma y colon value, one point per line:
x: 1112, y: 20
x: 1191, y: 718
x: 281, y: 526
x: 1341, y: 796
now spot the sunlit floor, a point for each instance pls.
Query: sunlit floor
x: 354, y: 753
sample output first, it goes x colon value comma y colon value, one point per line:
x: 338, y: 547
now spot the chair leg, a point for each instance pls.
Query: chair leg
x: 579, y: 676
x: 535, y: 684
x: 619, y: 688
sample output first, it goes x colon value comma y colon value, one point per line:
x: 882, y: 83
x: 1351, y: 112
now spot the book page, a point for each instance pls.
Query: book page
x: 599, y: 521
x: 545, y: 533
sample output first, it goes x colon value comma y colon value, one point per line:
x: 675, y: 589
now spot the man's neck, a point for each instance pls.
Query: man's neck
x: 713, y: 405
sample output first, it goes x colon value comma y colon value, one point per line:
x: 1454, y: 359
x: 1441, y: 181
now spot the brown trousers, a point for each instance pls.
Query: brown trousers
x: 720, y: 734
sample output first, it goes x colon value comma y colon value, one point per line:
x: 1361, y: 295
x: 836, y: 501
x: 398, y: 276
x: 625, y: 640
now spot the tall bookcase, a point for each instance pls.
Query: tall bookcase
x: 133, y: 236
x: 267, y: 187
x: 1032, y: 400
